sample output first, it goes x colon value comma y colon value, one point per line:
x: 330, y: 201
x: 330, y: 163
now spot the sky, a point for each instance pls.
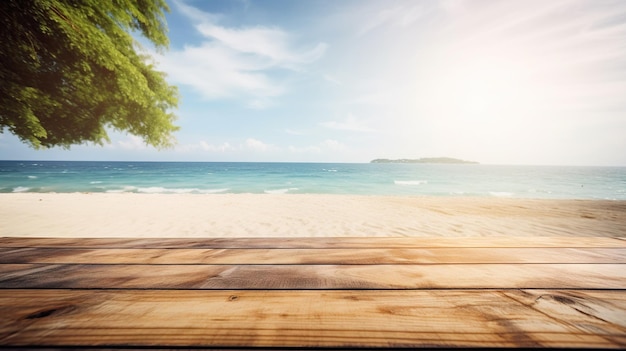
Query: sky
x: 499, y: 82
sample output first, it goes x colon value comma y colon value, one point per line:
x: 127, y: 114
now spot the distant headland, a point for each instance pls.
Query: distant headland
x: 448, y: 160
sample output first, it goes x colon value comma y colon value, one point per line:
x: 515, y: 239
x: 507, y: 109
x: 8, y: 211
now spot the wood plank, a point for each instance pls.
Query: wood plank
x: 475, y: 276
x: 352, y: 319
x: 573, y: 306
x: 313, y: 256
x: 309, y: 242
x: 379, y: 292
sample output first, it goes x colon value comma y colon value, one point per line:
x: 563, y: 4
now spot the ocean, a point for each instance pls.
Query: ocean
x: 555, y: 182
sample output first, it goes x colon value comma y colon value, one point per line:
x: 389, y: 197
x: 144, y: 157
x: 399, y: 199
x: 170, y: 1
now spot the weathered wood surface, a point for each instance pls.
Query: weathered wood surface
x: 313, y: 256
x: 313, y: 319
x: 313, y: 292
x: 318, y: 277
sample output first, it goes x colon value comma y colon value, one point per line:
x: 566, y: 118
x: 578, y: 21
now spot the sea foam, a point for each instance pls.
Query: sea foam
x: 162, y: 190
x: 126, y: 189
x: 280, y: 191
x: 214, y: 191
x: 500, y: 193
x: 410, y: 182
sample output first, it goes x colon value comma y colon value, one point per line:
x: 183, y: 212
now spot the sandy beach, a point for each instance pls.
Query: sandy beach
x: 250, y: 215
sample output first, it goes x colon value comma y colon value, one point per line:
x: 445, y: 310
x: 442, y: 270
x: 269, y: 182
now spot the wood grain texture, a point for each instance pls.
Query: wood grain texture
x: 312, y: 256
x: 310, y: 292
x: 457, y: 276
x: 312, y: 319
x: 304, y: 243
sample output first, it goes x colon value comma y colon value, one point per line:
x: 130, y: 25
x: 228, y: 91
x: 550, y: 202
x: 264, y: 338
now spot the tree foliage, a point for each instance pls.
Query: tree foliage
x: 70, y: 70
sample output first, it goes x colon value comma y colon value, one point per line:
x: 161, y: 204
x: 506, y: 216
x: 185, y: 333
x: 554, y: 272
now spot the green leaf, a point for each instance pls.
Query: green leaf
x: 70, y: 69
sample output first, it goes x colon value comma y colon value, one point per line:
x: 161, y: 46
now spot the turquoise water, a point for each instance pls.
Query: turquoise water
x: 314, y: 178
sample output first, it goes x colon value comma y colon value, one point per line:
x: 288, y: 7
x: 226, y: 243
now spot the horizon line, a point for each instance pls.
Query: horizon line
x: 319, y: 162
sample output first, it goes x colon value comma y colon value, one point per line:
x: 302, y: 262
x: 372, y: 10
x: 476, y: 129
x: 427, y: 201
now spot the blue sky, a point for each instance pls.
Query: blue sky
x: 499, y: 82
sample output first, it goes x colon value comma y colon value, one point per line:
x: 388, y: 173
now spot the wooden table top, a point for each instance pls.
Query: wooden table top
x: 503, y: 292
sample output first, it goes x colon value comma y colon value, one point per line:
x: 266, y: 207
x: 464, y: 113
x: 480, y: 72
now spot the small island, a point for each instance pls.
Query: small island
x: 446, y: 160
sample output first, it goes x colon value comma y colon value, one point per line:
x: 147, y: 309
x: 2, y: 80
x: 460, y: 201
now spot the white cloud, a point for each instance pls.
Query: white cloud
x: 257, y: 145
x: 250, y: 144
x: 132, y: 142
x: 216, y: 72
x: 194, y: 14
x: 351, y: 124
x: 328, y: 145
x: 265, y: 42
x: 236, y: 62
x: 333, y: 145
x: 205, y: 146
x: 224, y: 147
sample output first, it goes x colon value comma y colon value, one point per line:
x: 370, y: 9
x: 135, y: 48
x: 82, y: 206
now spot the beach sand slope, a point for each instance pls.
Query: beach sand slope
x: 266, y: 215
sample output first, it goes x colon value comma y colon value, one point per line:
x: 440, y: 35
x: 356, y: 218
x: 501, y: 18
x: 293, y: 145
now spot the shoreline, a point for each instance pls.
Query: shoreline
x: 294, y: 215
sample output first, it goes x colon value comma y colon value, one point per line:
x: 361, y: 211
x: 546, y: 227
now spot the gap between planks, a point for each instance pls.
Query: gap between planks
x: 312, y: 256
x: 311, y: 242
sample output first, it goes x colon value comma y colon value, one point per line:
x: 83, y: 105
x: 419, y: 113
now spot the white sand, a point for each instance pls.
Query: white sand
x: 248, y: 215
